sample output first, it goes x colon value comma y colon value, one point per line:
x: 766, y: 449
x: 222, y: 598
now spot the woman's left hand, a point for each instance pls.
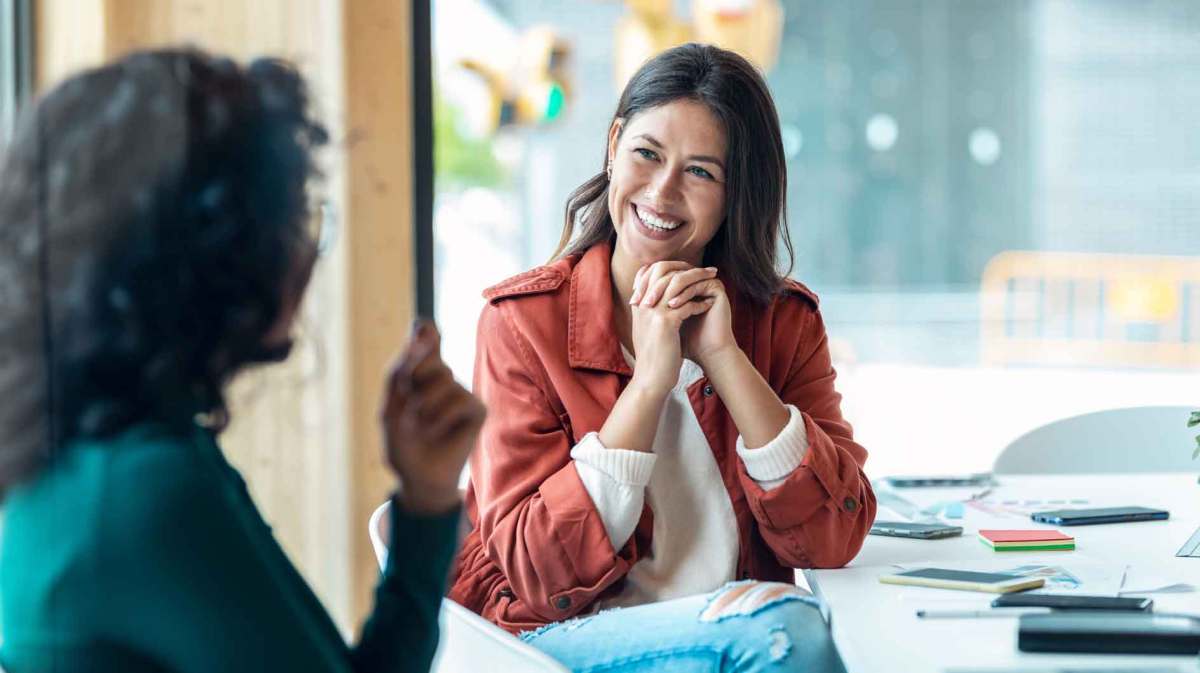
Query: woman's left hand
x: 706, y: 334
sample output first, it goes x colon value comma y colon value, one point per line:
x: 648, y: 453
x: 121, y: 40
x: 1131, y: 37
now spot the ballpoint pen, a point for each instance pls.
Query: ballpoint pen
x: 978, y: 614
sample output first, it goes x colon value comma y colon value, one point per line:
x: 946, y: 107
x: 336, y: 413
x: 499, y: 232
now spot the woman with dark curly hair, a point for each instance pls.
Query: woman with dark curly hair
x: 154, y: 242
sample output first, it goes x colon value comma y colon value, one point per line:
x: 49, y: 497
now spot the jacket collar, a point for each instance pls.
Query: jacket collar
x: 592, y: 341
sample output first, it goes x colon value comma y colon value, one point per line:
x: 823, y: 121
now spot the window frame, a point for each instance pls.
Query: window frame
x: 423, y: 168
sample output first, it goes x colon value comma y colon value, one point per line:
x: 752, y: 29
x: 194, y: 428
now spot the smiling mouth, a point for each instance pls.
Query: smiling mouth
x: 655, y: 222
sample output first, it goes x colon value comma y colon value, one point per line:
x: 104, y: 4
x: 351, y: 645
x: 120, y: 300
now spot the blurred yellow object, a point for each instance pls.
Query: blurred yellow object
x: 1141, y: 298
x: 534, y: 89
x: 652, y: 9
x: 752, y: 28
x: 640, y: 35
x: 1058, y: 308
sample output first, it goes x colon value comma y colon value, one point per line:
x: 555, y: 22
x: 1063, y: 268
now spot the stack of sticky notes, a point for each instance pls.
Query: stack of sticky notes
x: 1027, y: 540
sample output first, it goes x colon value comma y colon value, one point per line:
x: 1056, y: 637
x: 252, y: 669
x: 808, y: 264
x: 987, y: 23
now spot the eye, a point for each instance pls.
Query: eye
x: 696, y: 170
x: 645, y: 153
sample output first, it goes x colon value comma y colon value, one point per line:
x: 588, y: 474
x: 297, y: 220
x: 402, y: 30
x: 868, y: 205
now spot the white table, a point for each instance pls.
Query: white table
x: 875, y: 626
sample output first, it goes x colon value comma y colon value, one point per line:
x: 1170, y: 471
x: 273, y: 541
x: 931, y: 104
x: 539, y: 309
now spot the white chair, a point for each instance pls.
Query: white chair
x: 1138, y: 439
x: 468, y: 643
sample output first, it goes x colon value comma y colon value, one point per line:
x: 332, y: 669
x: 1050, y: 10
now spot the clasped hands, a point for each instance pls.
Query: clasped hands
x: 678, y: 311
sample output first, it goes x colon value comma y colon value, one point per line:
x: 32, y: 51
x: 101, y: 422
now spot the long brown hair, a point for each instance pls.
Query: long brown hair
x: 745, y: 248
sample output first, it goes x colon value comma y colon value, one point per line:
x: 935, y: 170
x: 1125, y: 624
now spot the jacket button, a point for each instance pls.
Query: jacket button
x: 708, y: 391
x: 562, y: 602
x: 850, y: 504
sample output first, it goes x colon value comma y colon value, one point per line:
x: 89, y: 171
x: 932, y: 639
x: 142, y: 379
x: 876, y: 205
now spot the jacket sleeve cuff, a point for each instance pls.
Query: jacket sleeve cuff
x: 771, y: 465
x: 615, y: 479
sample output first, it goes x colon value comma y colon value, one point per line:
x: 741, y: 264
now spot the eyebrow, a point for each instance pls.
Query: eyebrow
x: 695, y: 157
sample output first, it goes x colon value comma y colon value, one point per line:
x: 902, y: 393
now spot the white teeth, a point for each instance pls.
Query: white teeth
x: 656, y: 222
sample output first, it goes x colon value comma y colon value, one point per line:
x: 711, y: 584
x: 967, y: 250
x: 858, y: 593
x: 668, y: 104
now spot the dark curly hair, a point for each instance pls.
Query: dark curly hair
x: 152, y: 215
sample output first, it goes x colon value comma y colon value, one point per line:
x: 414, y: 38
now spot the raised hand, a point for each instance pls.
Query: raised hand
x: 656, y: 325
x: 710, y: 333
x: 430, y: 424
x: 678, y: 285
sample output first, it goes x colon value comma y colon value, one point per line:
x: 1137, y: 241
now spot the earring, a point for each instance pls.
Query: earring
x: 608, y: 170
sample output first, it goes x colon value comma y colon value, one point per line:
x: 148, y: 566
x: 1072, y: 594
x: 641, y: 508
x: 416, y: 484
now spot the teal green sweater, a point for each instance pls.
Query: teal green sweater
x: 144, y: 552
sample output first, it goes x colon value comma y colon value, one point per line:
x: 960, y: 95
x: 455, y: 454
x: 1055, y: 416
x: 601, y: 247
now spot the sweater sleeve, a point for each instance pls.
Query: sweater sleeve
x: 770, y: 465
x: 616, y: 481
x: 198, y: 583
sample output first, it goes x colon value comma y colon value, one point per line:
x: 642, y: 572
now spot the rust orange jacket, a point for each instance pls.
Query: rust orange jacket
x: 549, y: 367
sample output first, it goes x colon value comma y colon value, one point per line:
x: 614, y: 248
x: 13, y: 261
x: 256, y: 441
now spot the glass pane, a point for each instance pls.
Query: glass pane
x: 998, y: 202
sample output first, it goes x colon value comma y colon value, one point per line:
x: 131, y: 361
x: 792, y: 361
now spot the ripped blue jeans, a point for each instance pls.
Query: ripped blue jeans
x: 743, y: 626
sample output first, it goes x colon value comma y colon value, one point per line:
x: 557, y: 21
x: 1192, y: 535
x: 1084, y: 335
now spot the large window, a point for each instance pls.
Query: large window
x: 998, y: 202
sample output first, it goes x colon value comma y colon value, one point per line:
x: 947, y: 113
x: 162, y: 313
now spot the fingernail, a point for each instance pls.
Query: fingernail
x: 674, y: 302
x: 712, y: 269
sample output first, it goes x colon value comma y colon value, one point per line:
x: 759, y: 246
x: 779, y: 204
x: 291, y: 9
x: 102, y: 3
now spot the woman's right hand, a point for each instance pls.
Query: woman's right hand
x: 656, y: 325
x: 430, y: 424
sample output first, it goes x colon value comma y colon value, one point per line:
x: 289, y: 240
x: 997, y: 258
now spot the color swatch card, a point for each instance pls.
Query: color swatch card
x: 1027, y: 540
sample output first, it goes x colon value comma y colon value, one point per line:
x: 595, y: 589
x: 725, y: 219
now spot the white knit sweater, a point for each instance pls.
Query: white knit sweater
x: 695, y: 543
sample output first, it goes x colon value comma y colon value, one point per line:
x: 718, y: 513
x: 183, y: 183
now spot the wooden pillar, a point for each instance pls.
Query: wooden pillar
x: 378, y: 98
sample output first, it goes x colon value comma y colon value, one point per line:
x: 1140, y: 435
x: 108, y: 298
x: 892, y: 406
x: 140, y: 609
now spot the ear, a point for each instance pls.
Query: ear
x: 614, y: 135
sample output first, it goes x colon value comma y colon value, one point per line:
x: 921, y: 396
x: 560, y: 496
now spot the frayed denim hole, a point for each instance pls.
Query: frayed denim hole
x: 738, y: 609
x: 725, y: 588
x: 781, y: 644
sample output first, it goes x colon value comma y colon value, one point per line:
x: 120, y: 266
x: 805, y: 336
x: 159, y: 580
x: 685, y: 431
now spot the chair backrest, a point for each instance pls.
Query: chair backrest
x: 1074, y: 308
x: 468, y: 642
x: 1137, y: 439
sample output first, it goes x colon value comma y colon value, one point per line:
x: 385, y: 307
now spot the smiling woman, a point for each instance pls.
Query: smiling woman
x: 664, y: 432
x: 709, y: 148
x: 667, y: 199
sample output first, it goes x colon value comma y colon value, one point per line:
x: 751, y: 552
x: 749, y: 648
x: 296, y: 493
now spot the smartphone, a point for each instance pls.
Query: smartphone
x: 964, y: 580
x: 921, y: 531
x: 1086, y: 517
x: 941, y: 481
x: 1058, y: 602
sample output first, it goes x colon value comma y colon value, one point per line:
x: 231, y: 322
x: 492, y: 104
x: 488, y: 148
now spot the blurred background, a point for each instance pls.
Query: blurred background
x: 998, y: 202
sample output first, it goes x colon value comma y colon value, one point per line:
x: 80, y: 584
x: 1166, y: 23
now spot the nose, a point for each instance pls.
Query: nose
x: 663, y: 189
